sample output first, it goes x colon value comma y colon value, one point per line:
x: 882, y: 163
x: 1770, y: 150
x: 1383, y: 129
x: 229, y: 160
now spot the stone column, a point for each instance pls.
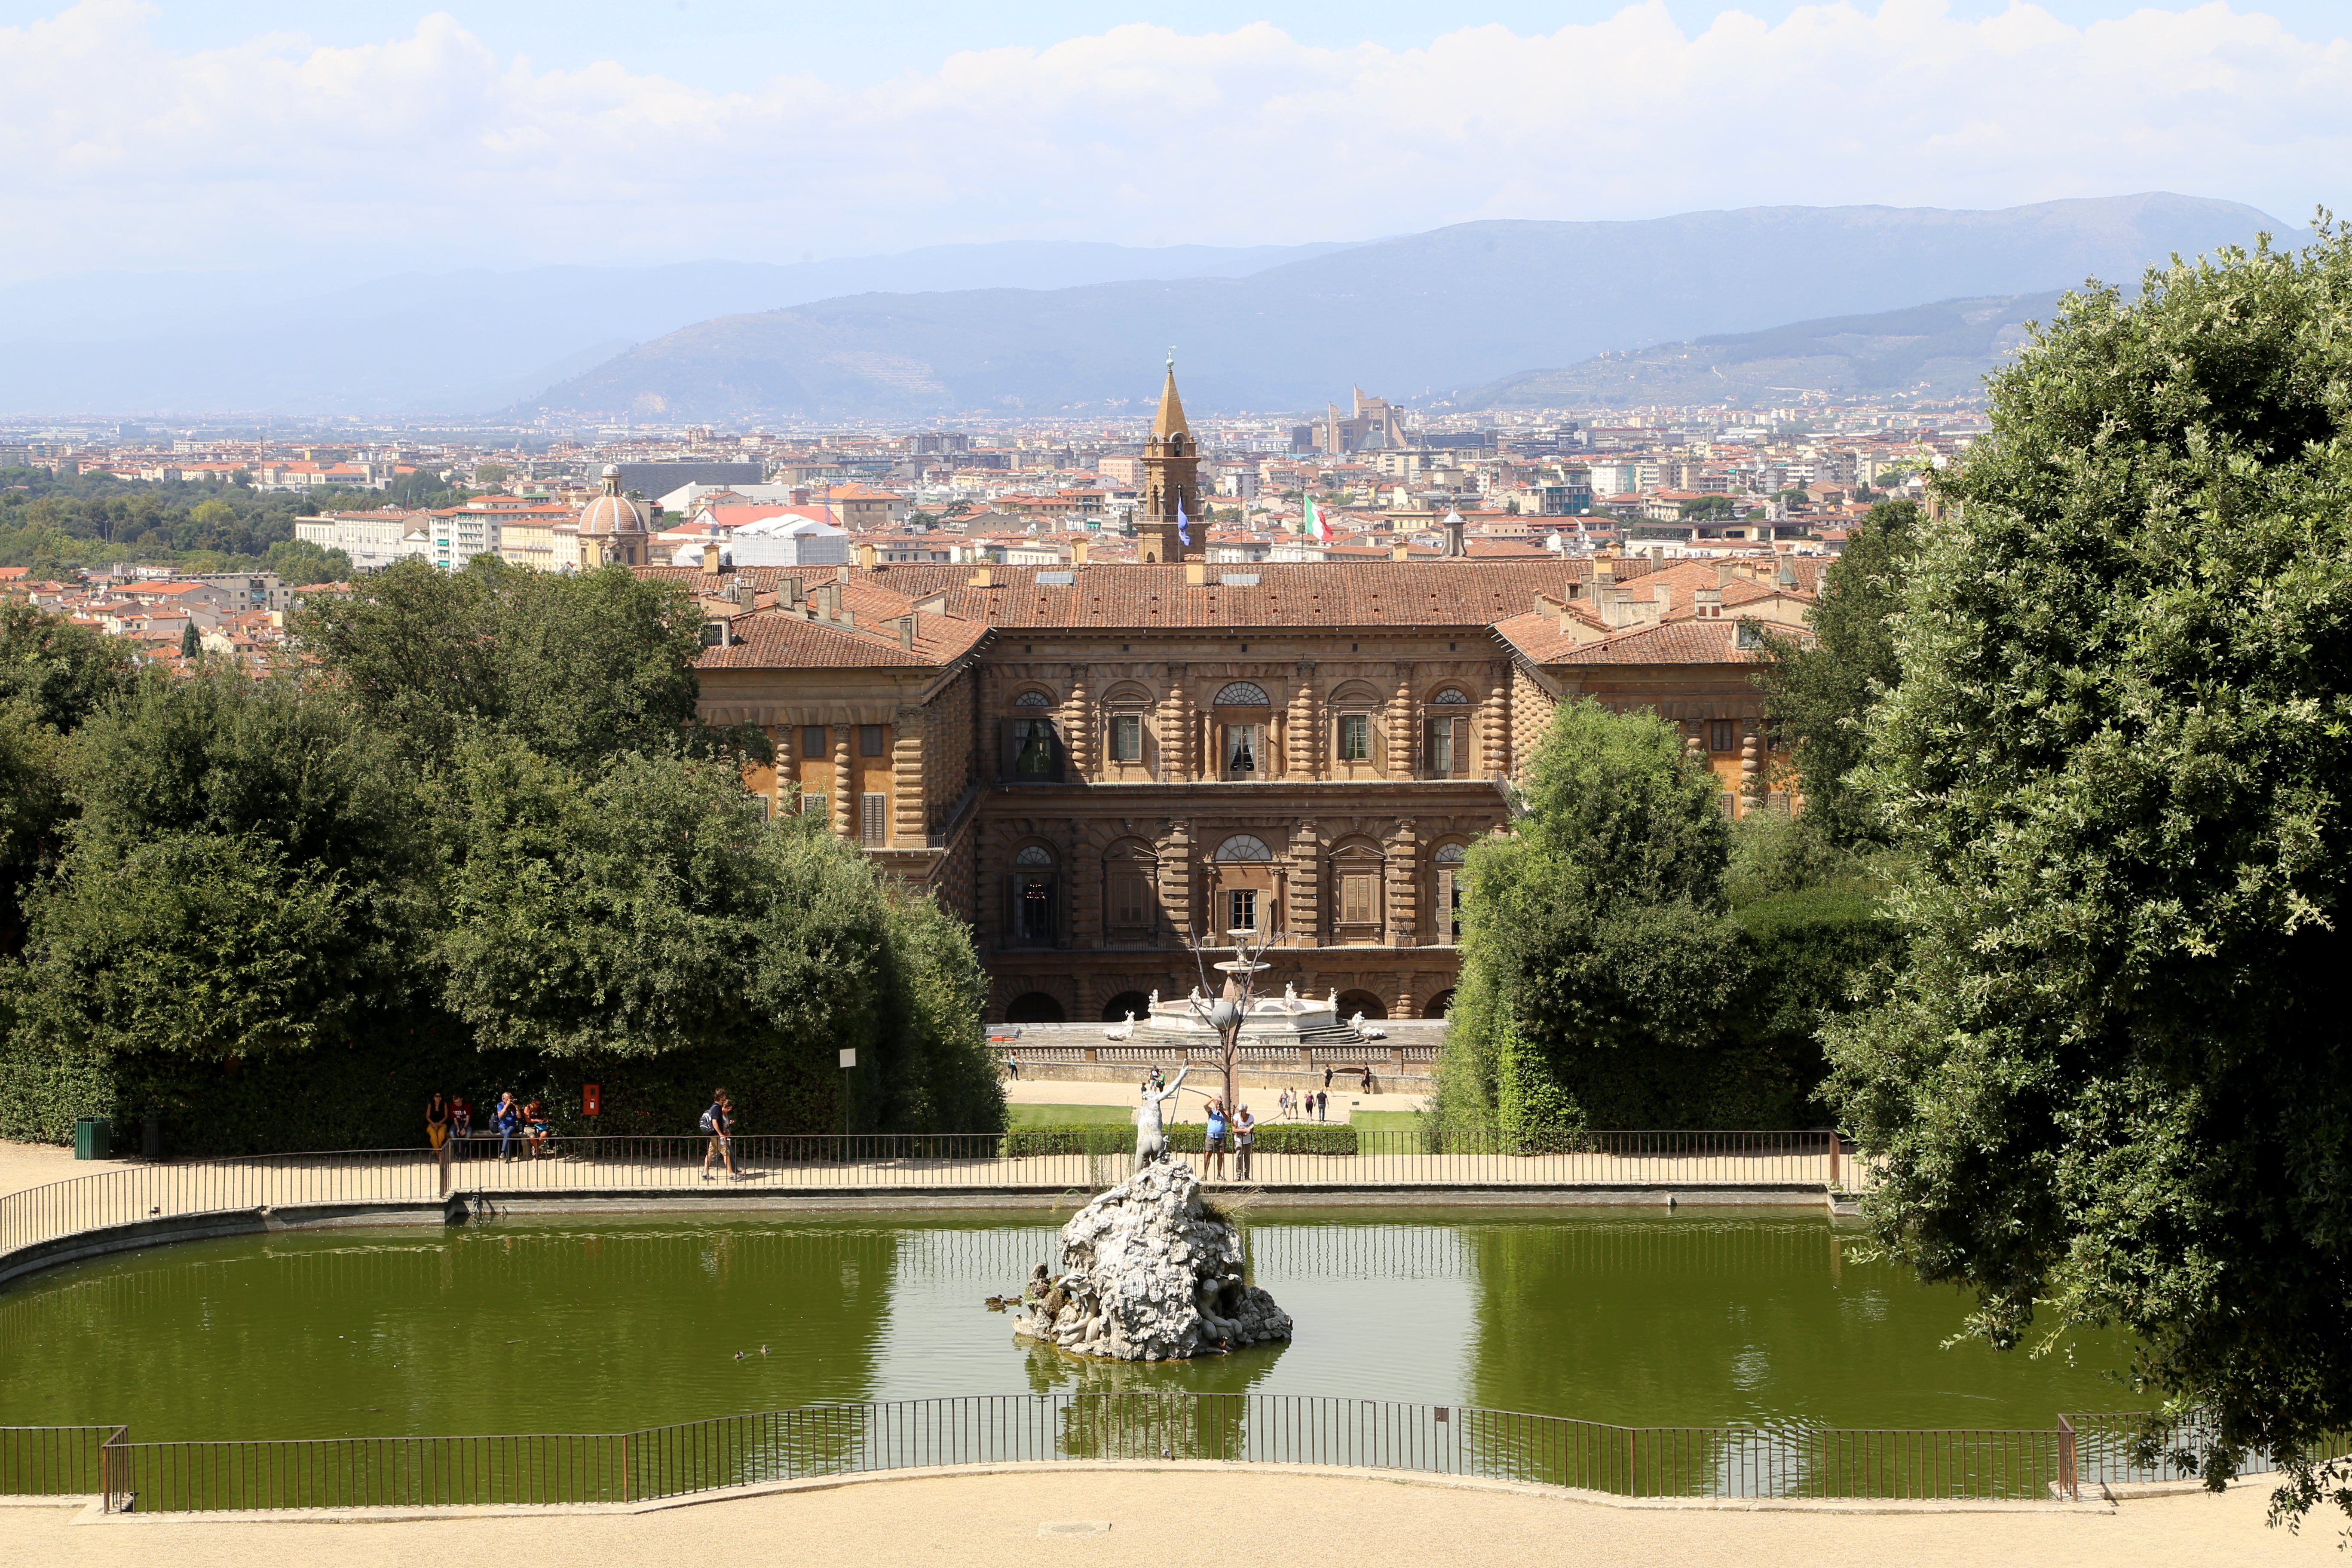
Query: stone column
x: 1175, y: 729
x: 1077, y: 726
x: 1305, y: 755
x: 909, y: 826
x: 1403, y: 850
x: 1403, y: 744
x: 844, y: 781
x: 1496, y: 719
x: 1306, y: 886
x: 1083, y: 865
x: 1402, y: 1007
x: 1176, y: 877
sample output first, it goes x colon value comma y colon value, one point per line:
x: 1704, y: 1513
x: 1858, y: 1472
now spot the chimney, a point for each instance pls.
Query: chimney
x: 865, y: 556
x: 828, y: 600
x: 1196, y: 575
x: 791, y: 593
x: 982, y: 577
x: 1706, y: 604
x: 906, y: 631
x: 1077, y: 552
x: 1454, y: 529
x: 711, y: 558
x: 1400, y: 551
x: 744, y: 594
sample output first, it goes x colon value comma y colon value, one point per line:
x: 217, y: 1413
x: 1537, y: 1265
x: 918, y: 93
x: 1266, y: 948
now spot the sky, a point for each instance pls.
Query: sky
x: 254, y: 133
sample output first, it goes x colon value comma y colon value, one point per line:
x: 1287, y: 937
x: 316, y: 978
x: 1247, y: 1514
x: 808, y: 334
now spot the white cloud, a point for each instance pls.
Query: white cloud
x: 122, y: 153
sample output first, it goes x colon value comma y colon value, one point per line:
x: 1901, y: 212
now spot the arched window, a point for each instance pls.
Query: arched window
x: 1451, y: 695
x: 1446, y: 755
x: 1032, y: 700
x: 1032, y: 898
x: 1243, y: 694
x: 1242, y: 847
x: 1449, y: 858
x: 1035, y: 854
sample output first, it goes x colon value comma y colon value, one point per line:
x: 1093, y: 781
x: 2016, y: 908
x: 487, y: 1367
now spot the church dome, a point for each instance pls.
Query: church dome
x: 613, y: 512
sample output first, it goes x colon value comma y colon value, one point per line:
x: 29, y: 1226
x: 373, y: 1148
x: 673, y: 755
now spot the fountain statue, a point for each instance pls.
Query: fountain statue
x: 1149, y: 1274
x: 1150, y: 1131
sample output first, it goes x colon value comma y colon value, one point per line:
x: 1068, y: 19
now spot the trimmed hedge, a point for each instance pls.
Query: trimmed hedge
x: 1184, y: 1138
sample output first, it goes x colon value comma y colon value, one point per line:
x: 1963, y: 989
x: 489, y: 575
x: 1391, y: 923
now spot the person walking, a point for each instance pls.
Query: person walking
x: 1244, y: 1137
x: 1322, y: 1105
x: 506, y: 1120
x: 1326, y: 1076
x: 437, y: 1123
x: 718, y: 1121
x: 1215, y: 1146
x: 1012, y: 1064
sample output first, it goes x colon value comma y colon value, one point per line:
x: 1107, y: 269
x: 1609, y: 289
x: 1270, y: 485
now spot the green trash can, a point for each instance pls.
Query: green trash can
x: 93, y: 1138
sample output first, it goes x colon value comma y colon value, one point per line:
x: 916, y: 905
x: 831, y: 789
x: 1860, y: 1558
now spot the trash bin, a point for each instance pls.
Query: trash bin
x: 151, y: 1137
x: 93, y: 1138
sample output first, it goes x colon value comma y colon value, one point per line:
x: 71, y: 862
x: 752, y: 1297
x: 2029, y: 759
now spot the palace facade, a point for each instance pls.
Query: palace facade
x: 1096, y: 763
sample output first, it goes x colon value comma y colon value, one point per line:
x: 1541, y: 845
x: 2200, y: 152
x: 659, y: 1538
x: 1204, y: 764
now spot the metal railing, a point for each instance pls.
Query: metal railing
x: 1378, y: 1053
x: 735, y: 1451
x: 491, y: 1167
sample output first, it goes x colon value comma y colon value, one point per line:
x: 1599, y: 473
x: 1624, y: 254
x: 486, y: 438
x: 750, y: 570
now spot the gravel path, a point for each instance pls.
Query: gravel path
x: 1156, y: 1516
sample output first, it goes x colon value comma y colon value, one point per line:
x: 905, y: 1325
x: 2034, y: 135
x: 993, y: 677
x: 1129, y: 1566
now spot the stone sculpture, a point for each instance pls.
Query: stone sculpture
x: 1150, y: 1132
x: 1148, y: 1274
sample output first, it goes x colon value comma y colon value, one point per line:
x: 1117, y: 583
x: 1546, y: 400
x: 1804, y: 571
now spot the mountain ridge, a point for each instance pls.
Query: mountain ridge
x: 1415, y: 317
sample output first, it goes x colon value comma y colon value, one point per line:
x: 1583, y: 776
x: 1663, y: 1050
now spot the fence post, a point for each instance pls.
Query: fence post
x: 441, y: 1157
x: 2069, y: 1481
x: 1835, y: 1152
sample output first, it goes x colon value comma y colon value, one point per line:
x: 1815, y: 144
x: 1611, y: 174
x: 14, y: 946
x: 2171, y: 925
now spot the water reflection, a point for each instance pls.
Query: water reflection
x: 622, y: 1323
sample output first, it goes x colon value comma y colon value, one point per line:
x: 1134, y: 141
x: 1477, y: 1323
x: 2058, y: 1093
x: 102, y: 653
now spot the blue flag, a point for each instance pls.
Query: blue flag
x: 1182, y: 522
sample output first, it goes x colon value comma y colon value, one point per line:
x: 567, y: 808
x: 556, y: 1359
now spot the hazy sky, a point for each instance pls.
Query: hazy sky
x: 234, y: 134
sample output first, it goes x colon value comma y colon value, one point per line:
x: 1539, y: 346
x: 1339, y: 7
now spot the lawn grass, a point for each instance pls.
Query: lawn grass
x: 1067, y: 1115
x: 1387, y: 1120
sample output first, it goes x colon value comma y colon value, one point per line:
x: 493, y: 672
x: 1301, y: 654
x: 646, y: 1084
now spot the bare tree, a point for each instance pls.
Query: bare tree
x: 1227, y: 1006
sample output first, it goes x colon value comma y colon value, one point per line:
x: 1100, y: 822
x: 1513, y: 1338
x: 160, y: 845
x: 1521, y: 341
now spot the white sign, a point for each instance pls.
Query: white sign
x: 849, y: 1058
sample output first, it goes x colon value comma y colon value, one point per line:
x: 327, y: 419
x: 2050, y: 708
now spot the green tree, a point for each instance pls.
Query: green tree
x: 1595, y: 957
x: 489, y: 476
x: 300, y: 564
x: 192, y: 645
x: 576, y: 667
x: 643, y: 924
x: 1819, y: 695
x: 1707, y: 509
x: 61, y: 671
x: 2112, y: 1085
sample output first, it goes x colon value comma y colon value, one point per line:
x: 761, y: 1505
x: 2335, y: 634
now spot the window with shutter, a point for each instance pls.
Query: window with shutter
x: 814, y: 806
x: 1241, y: 907
x: 812, y: 740
x: 1242, y: 751
x: 1719, y: 736
x: 1127, y: 901
x: 874, y: 819
x: 1127, y: 738
x: 869, y: 740
x: 1356, y: 900
x: 1355, y: 737
x: 1033, y: 749
x: 1441, y: 747
x: 1449, y: 908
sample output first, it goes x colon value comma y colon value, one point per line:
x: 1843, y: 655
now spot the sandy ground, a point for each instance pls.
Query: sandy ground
x: 1157, y: 1516
x: 1194, y: 1097
x: 26, y: 1165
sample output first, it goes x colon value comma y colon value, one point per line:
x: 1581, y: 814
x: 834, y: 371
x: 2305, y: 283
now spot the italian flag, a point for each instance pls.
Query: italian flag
x: 1313, y: 524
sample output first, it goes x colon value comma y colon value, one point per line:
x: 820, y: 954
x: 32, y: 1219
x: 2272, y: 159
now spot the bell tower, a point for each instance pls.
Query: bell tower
x: 1172, y: 485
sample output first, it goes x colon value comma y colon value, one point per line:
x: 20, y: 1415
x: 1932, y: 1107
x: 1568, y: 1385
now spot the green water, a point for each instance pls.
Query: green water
x: 617, y: 1323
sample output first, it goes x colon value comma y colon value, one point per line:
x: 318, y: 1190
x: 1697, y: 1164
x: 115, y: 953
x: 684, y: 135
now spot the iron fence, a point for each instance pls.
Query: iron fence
x: 488, y: 1166
x: 51, y: 1461
x: 2104, y: 1448
x: 837, y: 1439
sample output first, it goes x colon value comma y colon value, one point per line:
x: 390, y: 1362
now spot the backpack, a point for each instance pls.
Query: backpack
x: 710, y: 1121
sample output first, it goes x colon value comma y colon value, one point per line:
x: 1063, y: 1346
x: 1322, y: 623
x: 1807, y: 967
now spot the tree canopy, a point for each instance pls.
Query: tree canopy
x: 2111, y: 1085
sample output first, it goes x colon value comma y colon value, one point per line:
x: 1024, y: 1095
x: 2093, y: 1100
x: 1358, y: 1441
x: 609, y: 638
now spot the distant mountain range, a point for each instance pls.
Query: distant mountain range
x: 299, y: 340
x: 1458, y: 315
x: 1937, y: 350
x: 1424, y: 317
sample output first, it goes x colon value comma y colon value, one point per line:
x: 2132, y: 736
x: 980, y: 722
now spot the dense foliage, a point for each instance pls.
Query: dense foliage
x: 1608, y: 977
x: 474, y: 848
x: 1818, y: 693
x: 2111, y: 1085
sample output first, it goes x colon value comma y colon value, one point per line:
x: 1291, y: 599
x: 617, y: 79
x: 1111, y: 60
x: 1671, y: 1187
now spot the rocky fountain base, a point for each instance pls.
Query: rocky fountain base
x: 1147, y: 1275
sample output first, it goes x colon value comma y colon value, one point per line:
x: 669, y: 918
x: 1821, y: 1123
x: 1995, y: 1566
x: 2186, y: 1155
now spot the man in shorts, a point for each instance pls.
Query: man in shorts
x: 719, y: 1122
